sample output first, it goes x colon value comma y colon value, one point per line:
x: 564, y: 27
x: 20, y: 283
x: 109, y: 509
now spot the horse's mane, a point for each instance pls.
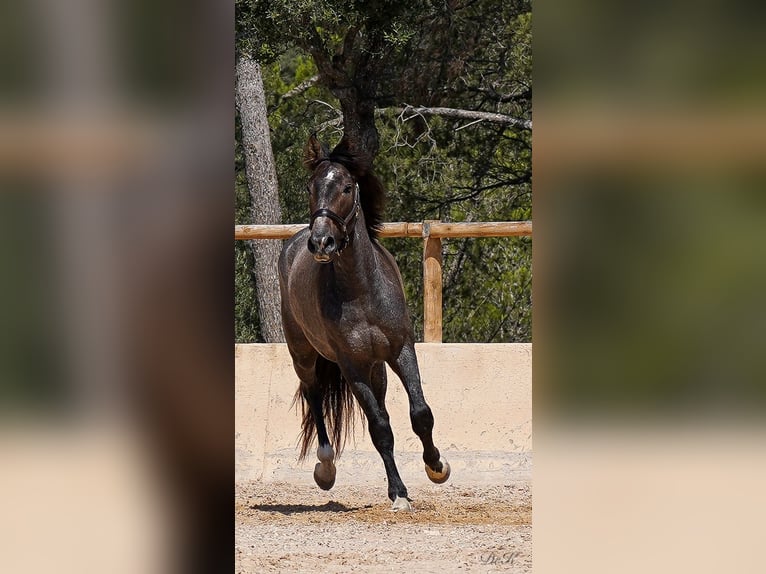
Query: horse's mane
x: 372, y: 194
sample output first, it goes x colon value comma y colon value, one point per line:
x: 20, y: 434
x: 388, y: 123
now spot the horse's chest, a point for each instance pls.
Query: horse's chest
x: 350, y: 329
x: 350, y: 320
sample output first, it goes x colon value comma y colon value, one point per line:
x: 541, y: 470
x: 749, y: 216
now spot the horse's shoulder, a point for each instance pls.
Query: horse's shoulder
x: 290, y: 249
x: 292, y: 245
x: 382, y: 254
x: 386, y: 262
x: 378, y: 247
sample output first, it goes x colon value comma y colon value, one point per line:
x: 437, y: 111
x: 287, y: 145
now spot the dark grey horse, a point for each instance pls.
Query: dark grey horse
x: 345, y: 316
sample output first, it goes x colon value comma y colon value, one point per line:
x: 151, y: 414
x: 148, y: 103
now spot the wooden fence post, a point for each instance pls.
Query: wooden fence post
x: 432, y: 285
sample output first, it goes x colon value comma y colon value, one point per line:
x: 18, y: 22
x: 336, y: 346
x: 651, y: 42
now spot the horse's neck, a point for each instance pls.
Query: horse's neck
x: 358, y: 258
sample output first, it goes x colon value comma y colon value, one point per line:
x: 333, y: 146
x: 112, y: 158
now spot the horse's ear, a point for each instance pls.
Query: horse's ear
x: 314, y: 152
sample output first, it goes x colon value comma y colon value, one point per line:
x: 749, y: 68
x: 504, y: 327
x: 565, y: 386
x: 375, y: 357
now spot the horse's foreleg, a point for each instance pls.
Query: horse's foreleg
x: 324, y: 470
x: 367, y: 395
x: 406, y: 368
x: 305, y: 367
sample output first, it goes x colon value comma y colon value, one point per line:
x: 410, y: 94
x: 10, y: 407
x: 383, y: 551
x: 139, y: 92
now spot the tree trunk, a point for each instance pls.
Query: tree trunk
x: 359, y: 127
x: 353, y: 78
x: 263, y: 186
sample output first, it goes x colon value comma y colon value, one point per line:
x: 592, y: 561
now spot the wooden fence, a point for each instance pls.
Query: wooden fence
x: 431, y: 232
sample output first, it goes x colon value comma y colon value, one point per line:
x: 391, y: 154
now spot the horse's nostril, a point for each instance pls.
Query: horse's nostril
x: 321, y: 244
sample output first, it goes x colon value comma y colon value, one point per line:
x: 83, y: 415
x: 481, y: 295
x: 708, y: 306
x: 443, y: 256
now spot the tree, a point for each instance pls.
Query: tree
x: 376, y: 53
x: 263, y: 187
x: 418, y: 71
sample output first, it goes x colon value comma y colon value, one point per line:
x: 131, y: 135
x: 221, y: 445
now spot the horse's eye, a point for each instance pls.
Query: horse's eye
x: 347, y: 189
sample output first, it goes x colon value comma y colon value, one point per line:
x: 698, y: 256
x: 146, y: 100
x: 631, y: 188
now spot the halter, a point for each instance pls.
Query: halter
x: 343, y: 224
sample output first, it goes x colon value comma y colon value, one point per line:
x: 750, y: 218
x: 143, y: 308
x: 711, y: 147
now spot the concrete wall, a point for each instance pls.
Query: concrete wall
x: 481, y: 397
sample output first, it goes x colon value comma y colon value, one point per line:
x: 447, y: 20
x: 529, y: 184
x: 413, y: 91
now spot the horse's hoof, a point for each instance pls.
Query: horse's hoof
x: 324, y: 475
x: 401, y: 504
x: 439, y: 477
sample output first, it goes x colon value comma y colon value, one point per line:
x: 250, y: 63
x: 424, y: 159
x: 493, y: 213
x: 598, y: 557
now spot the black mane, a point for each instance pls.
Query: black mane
x: 372, y: 194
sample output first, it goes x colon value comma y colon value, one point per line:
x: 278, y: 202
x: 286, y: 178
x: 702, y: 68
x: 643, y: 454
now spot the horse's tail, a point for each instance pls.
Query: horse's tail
x: 337, y: 405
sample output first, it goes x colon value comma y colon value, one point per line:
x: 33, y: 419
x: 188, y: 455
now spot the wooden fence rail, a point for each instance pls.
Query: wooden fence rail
x: 431, y: 232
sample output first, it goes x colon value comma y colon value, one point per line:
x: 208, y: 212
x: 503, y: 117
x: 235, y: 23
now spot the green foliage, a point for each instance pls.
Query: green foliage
x: 246, y: 325
x: 476, y: 57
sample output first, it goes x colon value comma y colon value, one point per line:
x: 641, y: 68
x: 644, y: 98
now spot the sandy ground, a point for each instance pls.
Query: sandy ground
x: 285, y: 527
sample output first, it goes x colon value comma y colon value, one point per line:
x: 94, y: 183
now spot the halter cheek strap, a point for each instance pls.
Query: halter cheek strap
x: 344, y: 224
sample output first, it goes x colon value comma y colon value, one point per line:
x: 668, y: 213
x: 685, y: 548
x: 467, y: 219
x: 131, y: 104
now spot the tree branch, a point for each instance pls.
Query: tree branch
x: 467, y: 115
x: 296, y: 91
x: 496, y: 96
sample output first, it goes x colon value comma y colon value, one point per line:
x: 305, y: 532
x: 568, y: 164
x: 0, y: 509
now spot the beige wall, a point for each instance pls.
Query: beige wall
x: 481, y: 397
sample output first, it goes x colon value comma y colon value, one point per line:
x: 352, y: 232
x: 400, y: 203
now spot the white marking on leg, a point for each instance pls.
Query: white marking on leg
x: 324, y: 471
x: 401, y: 504
x: 325, y: 453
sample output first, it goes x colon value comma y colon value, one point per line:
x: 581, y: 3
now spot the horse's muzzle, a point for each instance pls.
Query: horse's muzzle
x: 322, y: 247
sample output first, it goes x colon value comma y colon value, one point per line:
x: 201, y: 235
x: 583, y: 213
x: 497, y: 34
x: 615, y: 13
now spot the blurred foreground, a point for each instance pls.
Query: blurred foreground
x: 649, y: 279
x: 115, y: 300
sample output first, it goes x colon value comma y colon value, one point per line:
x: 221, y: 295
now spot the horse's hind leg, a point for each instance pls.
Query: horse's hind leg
x: 406, y: 368
x: 379, y: 384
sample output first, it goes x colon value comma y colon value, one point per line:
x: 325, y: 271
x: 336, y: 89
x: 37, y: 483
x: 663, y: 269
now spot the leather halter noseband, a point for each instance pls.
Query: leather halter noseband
x: 342, y: 223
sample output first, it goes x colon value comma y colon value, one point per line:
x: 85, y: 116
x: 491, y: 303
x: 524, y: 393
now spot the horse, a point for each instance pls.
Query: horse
x: 345, y: 317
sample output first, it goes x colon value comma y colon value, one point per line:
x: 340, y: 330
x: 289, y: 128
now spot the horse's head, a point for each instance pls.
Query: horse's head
x: 333, y: 201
